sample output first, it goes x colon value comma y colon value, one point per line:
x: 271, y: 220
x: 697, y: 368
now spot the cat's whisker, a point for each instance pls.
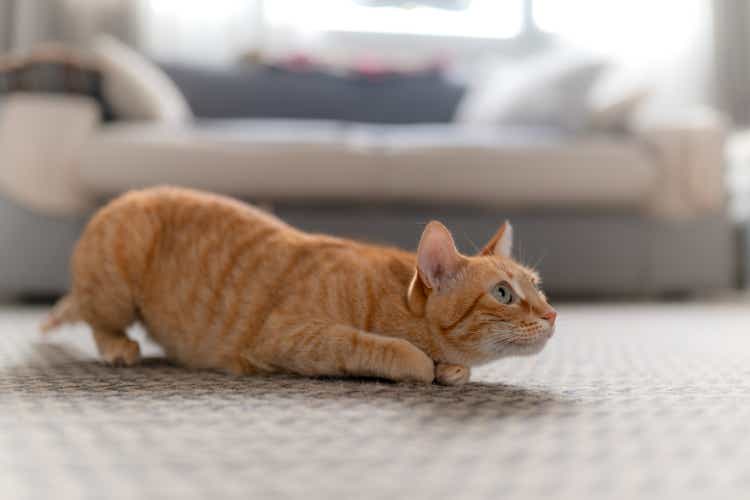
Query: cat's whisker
x: 477, y: 250
x: 539, y: 261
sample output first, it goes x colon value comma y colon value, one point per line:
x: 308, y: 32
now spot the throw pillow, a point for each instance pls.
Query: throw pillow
x: 614, y: 100
x: 551, y: 89
x: 137, y: 88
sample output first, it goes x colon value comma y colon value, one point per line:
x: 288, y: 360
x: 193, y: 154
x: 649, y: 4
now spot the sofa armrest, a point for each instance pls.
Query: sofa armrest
x: 690, y: 152
x: 40, y: 139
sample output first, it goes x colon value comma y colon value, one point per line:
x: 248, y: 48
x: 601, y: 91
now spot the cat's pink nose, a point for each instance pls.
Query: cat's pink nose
x: 550, y: 316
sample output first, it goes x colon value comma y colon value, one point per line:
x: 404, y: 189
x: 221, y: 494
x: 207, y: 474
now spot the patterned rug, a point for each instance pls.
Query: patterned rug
x: 627, y: 401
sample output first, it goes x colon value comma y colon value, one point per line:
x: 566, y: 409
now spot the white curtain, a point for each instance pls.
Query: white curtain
x: 5, y: 25
x: 80, y: 20
x: 23, y: 23
x: 26, y: 23
x: 732, y: 28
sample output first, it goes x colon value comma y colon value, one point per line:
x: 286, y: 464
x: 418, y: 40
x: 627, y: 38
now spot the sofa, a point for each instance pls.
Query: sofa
x: 638, y: 212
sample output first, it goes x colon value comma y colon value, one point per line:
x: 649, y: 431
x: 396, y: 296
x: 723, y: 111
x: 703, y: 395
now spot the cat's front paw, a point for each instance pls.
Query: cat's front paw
x: 410, y: 364
x: 447, y: 374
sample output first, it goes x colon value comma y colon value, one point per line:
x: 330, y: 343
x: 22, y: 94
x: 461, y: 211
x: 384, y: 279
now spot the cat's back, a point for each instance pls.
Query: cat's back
x: 176, y: 205
x: 172, y: 210
x: 165, y: 224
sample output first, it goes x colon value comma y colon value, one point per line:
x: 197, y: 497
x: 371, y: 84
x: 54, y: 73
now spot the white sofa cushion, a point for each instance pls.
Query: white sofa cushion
x: 551, y: 89
x: 517, y: 167
x: 136, y: 88
x: 615, y: 98
x: 276, y: 159
x: 260, y: 159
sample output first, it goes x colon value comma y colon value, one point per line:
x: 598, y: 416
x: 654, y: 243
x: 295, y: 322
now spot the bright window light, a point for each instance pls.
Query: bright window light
x: 198, y: 10
x: 198, y: 30
x: 480, y: 19
x: 622, y: 27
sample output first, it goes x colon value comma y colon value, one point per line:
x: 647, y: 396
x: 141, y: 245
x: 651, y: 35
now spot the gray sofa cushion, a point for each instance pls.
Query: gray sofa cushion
x: 256, y: 91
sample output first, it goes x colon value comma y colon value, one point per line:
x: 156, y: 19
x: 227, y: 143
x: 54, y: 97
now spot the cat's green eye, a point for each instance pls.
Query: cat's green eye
x: 502, y: 293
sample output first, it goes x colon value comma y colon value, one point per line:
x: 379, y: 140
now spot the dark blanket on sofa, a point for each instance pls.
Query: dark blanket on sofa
x: 261, y: 91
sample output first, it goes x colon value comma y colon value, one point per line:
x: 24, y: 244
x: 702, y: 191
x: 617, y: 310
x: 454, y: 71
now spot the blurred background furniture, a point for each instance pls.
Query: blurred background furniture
x: 597, y: 213
x: 615, y: 186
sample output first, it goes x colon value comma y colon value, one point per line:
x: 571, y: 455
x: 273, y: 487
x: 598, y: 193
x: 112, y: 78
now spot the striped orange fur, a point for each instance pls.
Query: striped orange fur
x: 220, y: 284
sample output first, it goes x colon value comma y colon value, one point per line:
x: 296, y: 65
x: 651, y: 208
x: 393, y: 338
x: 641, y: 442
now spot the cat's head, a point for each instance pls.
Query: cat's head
x: 483, y: 307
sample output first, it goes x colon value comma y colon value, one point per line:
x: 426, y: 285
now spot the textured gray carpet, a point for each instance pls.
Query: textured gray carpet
x: 626, y: 402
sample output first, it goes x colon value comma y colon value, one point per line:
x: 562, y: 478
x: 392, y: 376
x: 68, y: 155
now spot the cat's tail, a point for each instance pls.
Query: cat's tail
x: 65, y: 311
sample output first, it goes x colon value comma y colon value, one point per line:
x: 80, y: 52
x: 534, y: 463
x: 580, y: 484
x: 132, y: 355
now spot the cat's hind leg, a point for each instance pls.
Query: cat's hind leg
x: 109, y: 309
x: 109, y: 315
x: 116, y: 348
x: 108, y: 266
x: 112, y: 342
x: 319, y: 348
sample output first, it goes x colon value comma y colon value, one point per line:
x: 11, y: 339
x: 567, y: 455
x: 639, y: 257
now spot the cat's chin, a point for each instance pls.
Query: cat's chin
x: 524, y: 349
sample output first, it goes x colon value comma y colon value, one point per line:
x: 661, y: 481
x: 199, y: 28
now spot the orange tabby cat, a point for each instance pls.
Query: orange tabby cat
x: 220, y: 284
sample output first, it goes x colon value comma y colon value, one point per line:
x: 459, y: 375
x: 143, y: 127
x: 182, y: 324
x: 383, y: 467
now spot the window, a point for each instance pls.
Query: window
x: 220, y: 30
x: 196, y: 30
x: 623, y: 27
x: 496, y: 19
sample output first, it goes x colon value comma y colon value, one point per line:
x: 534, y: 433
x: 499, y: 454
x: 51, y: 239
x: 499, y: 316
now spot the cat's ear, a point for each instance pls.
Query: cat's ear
x: 416, y: 296
x: 437, y: 257
x: 502, y: 243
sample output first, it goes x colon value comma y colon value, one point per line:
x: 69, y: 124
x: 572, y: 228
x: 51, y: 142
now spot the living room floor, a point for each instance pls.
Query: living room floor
x: 628, y: 400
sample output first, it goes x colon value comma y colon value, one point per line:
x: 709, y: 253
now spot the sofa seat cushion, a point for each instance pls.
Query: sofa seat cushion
x: 518, y: 167
x: 324, y: 160
x: 257, y: 159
